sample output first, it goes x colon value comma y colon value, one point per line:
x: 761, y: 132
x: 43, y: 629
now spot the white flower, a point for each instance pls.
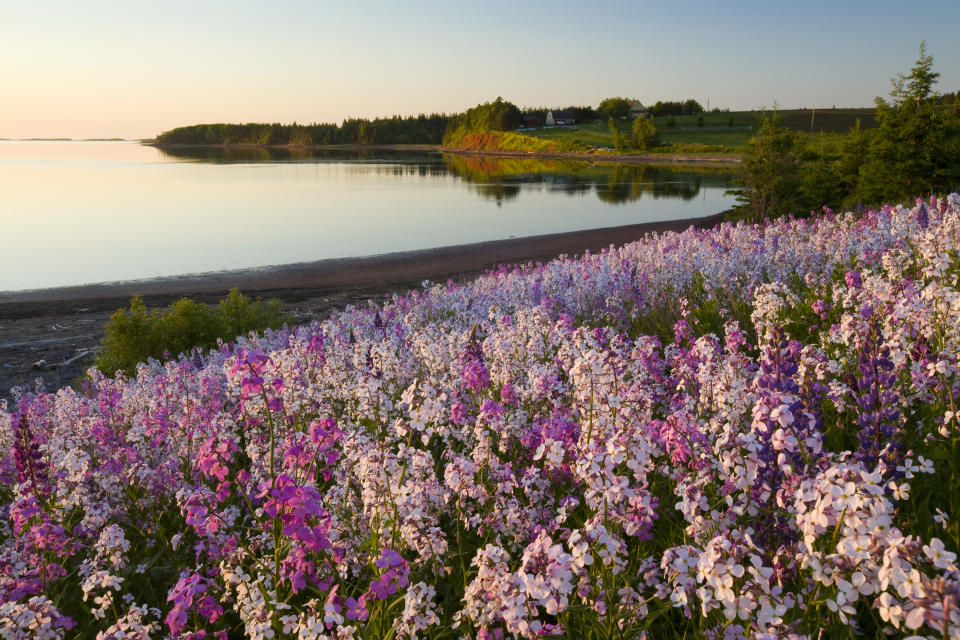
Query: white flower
x: 841, y: 607
x: 908, y: 468
x: 941, y: 518
x: 901, y: 491
x: 939, y: 556
x: 914, y: 619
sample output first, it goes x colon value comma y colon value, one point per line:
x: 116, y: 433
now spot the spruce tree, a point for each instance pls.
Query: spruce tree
x: 915, y: 149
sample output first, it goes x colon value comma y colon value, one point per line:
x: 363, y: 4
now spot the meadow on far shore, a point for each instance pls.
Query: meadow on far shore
x: 692, y: 135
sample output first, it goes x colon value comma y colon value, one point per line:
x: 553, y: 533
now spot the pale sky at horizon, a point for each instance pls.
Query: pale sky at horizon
x: 108, y: 68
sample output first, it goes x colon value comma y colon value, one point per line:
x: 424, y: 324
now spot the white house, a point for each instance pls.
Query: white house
x: 560, y: 118
x: 636, y: 110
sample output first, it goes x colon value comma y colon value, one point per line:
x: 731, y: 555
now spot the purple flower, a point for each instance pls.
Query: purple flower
x: 474, y: 372
x: 880, y: 435
x: 395, y: 575
x: 475, y: 376
x: 923, y: 215
x: 785, y: 426
x: 191, y: 596
x: 31, y: 468
x: 356, y: 610
x: 853, y: 279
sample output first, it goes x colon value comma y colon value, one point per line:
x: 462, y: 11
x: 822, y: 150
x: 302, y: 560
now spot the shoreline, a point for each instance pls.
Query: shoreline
x: 54, y: 333
x: 333, y: 273
x: 717, y: 160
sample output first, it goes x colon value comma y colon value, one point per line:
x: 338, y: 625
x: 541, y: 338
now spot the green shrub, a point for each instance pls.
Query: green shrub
x: 133, y: 335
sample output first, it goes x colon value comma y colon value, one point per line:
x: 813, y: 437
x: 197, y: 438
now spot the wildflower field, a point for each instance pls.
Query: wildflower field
x: 749, y: 431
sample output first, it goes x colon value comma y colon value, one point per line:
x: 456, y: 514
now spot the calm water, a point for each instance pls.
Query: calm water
x: 83, y: 212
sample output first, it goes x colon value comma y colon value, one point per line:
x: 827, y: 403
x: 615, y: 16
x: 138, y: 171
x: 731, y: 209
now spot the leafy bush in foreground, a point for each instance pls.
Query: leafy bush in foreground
x: 746, y: 432
x: 133, y: 335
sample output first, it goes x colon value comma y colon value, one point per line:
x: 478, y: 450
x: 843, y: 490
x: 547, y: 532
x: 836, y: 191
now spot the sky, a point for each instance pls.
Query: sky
x: 107, y: 68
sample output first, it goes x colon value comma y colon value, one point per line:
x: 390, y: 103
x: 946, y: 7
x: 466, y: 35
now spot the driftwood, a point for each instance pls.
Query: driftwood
x: 79, y: 356
x: 57, y: 365
x: 12, y: 345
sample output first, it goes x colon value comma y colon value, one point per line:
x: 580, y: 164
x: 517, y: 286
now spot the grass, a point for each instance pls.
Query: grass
x: 686, y: 137
x: 595, y: 135
x: 724, y: 138
x: 510, y: 141
x: 590, y: 135
x: 826, y: 120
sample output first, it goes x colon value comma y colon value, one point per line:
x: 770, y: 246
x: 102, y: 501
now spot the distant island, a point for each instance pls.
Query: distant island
x: 67, y: 139
x: 618, y: 129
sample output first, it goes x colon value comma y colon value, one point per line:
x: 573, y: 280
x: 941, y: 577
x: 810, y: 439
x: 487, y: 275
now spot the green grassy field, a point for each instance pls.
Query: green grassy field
x: 808, y: 120
x: 824, y: 126
x: 595, y: 134
x: 591, y: 134
x: 728, y: 138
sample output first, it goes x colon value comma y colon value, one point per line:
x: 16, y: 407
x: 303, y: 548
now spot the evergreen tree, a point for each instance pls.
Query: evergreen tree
x: 915, y: 149
x: 819, y: 176
x: 921, y: 79
x: 853, y: 150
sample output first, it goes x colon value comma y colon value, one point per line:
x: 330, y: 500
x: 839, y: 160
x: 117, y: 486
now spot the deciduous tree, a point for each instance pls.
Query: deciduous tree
x: 644, y: 134
x: 618, y: 108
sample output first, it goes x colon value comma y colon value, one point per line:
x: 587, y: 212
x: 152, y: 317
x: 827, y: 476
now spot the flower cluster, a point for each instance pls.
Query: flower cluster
x: 749, y: 431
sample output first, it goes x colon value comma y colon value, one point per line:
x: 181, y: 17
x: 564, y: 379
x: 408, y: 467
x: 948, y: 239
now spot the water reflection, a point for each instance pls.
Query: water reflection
x: 500, y: 180
x: 245, y: 154
x: 105, y: 211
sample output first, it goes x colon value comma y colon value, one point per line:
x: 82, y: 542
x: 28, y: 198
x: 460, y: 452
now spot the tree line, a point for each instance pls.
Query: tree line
x: 678, y: 108
x: 913, y: 151
x: 580, y: 113
x: 420, y: 129
x: 619, y: 108
x: 499, y: 115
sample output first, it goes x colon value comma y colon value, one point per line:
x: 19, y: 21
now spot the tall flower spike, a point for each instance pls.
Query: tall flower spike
x: 31, y: 468
x: 880, y: 435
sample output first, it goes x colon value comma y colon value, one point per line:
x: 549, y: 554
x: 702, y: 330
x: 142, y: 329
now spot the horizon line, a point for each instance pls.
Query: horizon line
x: 526, y: 107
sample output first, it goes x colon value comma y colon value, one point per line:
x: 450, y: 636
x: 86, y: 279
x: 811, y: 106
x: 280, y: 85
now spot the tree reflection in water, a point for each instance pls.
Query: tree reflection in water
x: 503, y: 178
x: 500, y: 180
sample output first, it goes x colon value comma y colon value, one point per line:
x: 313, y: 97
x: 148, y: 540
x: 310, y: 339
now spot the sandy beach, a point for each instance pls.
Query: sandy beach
x: 53, y: 333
